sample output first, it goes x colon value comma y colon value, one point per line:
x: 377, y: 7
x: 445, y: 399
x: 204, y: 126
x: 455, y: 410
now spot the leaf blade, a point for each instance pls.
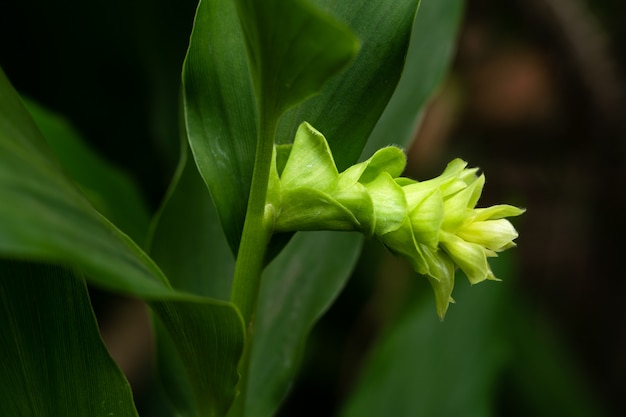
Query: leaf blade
x: 47, y: 219
x: 109, y: 189
x: 293, y: 49
x: 219, y: 111
x: 73, y: 375
x: 297, y: 289
x: 437, y: 23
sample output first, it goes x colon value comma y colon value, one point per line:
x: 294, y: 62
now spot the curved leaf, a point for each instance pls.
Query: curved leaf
x: 54, y: 362
x: 44, y: 217
x: 348, y: 107
x: 220, y: 111
x: 187, y: 240
x: 297, y: 288
x: 489, y: 357
x: 189, y: 245
x: 423, y: 367
x: 293, y: 49
x: 108, y: 188
x: 430, y: 51
x: 209, y: 338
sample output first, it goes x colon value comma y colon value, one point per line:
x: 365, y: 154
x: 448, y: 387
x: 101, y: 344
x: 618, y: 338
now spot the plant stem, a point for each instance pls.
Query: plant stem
x: 256, y: 233
x: 254, y: 240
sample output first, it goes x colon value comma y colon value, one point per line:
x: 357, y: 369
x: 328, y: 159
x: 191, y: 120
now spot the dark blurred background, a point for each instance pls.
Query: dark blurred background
x: 535, y: 97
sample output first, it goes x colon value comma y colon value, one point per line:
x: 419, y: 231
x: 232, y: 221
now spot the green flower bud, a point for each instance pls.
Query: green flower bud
x: 434, y: 223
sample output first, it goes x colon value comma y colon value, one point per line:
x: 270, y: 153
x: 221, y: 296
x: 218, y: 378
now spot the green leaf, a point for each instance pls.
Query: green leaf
x: 187, y: 241
x: 545, y: 379
x: 425, y: 367
x: 45, y: 217
x: 297, y: 288
x: 49, y: 220
x: 348, y: 107
x: 53, y: 360
x: 220, y: 111
x: 209, y: 338
x: 293, y: 49
x: 288, y: 63
x: 109, y: 189
x: 489, y: 357
x: 190, y: 246
x: 432, y: 46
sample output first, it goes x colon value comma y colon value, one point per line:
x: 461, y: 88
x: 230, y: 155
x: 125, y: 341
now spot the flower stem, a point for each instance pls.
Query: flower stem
x: 256, y: 233
x: 254, y: 240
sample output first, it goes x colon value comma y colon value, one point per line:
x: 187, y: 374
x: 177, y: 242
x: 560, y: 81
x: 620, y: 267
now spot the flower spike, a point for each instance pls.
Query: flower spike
x: 434, y: 223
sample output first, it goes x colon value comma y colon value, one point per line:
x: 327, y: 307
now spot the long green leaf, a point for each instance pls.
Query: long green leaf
x: 430, y: 51
x: 53, y: 360
x: 293, y: 49
x: 44, y: 217
x: 108, y: 188
x: 487, y: 358
x: 187, y: 240
x: 424, y: 367
x: 209, y: 338
x: 220, y: 111
x: 298, y: 287
x: 349, y: 106
x: 190, y: 246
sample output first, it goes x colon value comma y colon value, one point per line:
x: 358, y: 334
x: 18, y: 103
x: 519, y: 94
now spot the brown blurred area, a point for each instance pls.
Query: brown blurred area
x: 536, y: 100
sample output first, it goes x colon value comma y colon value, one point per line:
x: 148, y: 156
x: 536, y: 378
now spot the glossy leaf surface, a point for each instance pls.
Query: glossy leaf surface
x: 430, y: 51
x: 220, y: 104
x: 53, y: 360
x: 220, y: 111
x: 348, y: 107
x: 47, y: 219
x: 293, y: 49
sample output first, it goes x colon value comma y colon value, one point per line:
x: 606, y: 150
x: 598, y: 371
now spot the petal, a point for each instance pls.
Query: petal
x: 359, y: 202
x: 441, y: 278
x: 390, y: 205
x: 390, y: 159
x: 310, y: 162
x: 496, y: 235
x: 496, y: 212
x: 351, y: 176
x: 458, y: 206
x: 470, y: 257
x: 310, y: 209
x: 477, y: 189
x: 426, y: 218
x: 402, y: 242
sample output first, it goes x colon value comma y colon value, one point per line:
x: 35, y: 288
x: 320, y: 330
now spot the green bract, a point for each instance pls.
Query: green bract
x: 434, y: 223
